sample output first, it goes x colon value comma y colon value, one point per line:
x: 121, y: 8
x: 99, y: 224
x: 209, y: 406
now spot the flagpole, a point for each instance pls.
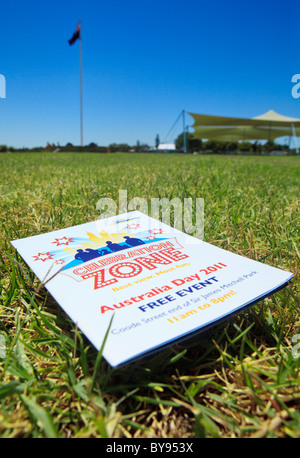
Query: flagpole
x: 81, y: 98
x: 184, y: 132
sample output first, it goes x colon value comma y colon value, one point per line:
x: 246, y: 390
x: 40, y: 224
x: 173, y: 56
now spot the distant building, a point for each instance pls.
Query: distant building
x: 166, y: 147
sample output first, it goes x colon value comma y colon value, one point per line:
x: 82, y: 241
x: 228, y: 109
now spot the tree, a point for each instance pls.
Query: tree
x: 269, y: 146
x: 193, y: 144
x: 157, y: 141
x: 92, y: 145
x: 210, y: 145
x: 124, y: 147
x: 112, y: 148
x: 232, y: 146
x: 245, y: 146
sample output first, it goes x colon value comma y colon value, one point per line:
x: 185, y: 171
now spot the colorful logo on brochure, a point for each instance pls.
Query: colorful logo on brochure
x: 73, y: 251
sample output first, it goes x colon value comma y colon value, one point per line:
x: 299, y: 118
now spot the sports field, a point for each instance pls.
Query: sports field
x: 240, y: 379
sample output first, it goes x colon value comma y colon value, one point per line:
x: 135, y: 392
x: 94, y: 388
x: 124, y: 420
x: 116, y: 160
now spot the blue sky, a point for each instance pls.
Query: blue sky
x: 143, y: 63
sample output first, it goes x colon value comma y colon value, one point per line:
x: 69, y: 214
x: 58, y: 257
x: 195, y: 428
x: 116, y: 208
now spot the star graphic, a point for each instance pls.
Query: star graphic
x: 156, y: 231
x: 133, y: 226
x: 43, y: 256
x: 60, y: 261
x: 63, y: 241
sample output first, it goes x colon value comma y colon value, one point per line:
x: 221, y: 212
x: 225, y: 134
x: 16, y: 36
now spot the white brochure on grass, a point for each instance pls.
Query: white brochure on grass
x: 157, y: 283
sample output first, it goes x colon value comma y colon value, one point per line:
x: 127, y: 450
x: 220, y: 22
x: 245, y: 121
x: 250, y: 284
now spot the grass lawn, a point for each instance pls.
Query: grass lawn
x: 240, y: 379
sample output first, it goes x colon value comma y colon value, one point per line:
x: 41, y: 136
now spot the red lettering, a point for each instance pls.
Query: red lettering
x: 99, y: 281
x: 124, y: 270
x: 115, y: 270
x: 104, y: 308
x: 79, y: 271
x: 150, y: 261
x: 174, y: 255
x: 121, y: 304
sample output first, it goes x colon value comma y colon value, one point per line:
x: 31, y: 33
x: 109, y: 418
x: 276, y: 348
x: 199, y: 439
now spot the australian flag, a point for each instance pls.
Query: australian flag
x: 76, y: 35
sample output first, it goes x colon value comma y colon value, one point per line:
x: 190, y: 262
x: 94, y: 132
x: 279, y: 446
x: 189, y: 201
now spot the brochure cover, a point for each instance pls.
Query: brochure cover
x: 156, y: 283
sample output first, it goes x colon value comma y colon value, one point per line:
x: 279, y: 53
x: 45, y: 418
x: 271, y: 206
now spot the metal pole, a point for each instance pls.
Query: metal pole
x: 80, y: 69
x: 295, y: 139
x: 184, y: 132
